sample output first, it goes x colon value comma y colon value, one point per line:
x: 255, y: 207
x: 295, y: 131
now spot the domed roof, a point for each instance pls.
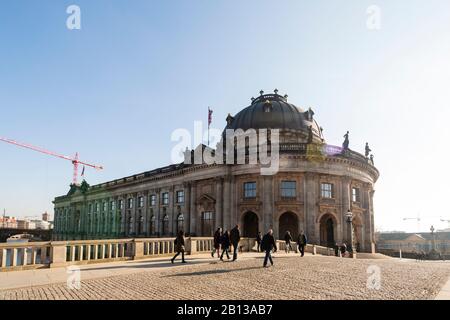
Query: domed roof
x: 273, y: 111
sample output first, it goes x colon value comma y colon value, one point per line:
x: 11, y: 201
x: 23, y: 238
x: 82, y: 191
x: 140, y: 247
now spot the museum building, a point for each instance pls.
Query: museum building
x: 318, y: 188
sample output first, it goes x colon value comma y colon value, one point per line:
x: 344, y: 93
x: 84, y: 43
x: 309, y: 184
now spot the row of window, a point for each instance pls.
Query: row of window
x: 140, y: 202
x: 288, y: 189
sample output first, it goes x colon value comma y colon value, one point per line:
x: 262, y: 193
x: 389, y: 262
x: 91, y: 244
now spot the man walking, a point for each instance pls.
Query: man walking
x: 258, y: 241
x: 302, y: 241
x: 287, y: 240
x: 235, y: 237
x: 268, y: 244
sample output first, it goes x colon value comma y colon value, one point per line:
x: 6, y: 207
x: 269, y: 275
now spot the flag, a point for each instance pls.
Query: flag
x: 82, y: 172
x: 210, y: 112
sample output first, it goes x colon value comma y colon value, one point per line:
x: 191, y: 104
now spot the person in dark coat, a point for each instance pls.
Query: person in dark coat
x: 343, y: 249
x: 235, y: 237
x: 287, y: 240
x: 268, y: 244
x: 225, y: 244
x: 258, y: 241
x: 216, y: 248
x: 179, y: 246
x: 301, y: 242
x: 336, y: 250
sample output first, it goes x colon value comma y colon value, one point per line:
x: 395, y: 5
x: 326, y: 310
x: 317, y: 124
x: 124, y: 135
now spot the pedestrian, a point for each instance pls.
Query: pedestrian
x: 179, y: 246
x: 235, y: 237
x: 287, y: 240
x: 225, y: 244
x: 268, y: 244
x: 336, y: 249
x: 302, y: 240
x: 216, y: 247
x: 343, y: 249
x: 258, y: 241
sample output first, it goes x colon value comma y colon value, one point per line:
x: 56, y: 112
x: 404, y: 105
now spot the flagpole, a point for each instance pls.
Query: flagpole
x: 209, y: 117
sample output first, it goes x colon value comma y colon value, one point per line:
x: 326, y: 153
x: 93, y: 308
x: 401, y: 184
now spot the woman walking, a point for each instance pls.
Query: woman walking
x: 179, y: 246
x: 216, y: 248
x: 225, y: 242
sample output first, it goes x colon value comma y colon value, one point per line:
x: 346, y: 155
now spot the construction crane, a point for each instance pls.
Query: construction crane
x: 445, y: 220
x: 417, y: 219
x: 75, y: 161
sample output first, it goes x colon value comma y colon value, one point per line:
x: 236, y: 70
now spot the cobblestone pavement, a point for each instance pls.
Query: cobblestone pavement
x: 311, y: 277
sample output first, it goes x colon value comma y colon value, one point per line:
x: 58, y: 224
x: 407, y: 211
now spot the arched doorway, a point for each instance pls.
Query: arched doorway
x: 327, y: 226
x: 250, y: 225
x: 288, y: 222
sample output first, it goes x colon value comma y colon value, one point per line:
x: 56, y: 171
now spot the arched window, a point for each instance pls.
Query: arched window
x: 180, y: 222
x: 165, y: 225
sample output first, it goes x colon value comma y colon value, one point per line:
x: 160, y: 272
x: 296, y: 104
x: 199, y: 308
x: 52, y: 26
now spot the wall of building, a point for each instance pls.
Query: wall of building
x: 104, y: 212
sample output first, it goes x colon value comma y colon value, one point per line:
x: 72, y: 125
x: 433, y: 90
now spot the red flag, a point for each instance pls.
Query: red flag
x: 210, y: 112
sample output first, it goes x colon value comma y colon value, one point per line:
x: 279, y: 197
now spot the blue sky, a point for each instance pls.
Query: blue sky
x: 137, y: 70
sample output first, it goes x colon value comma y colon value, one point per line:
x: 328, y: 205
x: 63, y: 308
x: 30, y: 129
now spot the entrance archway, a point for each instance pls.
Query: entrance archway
x: 288, y: 222
x: 327, y: 227
x: 250, y: 225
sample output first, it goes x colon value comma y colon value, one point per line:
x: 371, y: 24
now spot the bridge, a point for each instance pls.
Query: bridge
x: 44, y: 235
x: 141, y: 269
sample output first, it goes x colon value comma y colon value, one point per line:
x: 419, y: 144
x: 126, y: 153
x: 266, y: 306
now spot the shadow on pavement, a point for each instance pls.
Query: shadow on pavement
x: 202, y: 273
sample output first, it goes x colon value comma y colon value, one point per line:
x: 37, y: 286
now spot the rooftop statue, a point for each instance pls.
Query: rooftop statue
x: 346, y: 141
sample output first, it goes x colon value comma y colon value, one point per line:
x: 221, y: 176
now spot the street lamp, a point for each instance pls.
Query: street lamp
x: 349, y: 216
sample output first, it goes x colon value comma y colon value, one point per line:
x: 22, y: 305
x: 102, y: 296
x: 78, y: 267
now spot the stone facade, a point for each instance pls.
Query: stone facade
x: 198, y: 198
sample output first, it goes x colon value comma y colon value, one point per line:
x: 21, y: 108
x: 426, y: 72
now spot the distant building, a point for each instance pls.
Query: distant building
x: 7, y: 222
x: 45, y: 216
x: 412, y: 242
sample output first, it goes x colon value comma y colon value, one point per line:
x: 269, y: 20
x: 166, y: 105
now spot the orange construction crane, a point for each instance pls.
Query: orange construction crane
x: 75, y: 161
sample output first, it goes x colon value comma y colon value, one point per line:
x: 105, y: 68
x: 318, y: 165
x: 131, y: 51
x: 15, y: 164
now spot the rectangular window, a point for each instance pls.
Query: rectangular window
x: 288, y: 189
x: 326, y: 190
x: 130, y: 203
x: 113, y: 205
x: 120, y: 204
x: 153, y: 200
x: 97, y: 207
x: 90, y: 208
x: 180, y: 196
x: 105, y: 206
x: 355, y: 195
x: 141, y: 202
x: 250, y: 190
x: 165, y: 198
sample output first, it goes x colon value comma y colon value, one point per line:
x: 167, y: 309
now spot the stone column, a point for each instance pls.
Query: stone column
x: 219, y: 202
x: 187, y: 207
x: 171, y: 209
x: 226, y: 203
x: 158, y: 211
x: 234, y: 198
x: 268, y: 214
x: 193, y: 211
x: 311, y: 198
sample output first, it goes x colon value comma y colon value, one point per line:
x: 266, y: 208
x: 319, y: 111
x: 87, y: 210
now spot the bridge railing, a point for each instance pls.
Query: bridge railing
x: 33, y: 255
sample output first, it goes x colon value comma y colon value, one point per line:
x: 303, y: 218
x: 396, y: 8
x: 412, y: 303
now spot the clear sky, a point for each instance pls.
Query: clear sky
x: 137, y: 70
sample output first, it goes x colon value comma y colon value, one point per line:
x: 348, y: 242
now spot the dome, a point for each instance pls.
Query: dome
x: 273, y: 111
